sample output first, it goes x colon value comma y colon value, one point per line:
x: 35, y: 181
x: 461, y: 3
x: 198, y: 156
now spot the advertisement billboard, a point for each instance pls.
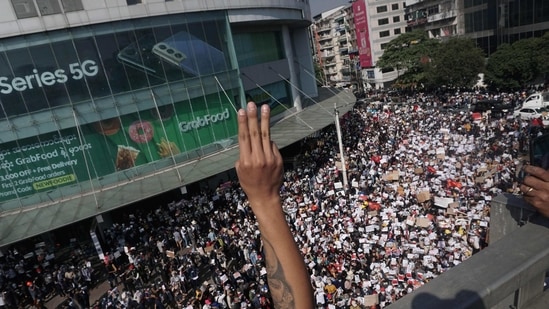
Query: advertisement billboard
x: 362, y: 34
x: 59, y: 69
x: 69, y: 156
x: 109, y: 67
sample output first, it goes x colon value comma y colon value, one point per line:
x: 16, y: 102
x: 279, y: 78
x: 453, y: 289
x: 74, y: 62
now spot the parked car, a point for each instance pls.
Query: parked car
x: 527, y: 113
x: 497, y: 108
x: 537, y: 100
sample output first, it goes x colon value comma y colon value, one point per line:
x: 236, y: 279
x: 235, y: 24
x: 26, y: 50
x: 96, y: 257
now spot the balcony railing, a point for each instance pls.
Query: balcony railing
x: 509, y: 273
x: 326, y: 46
x: 412, y: 2
x: 441, y: 16
x: 325, y: 37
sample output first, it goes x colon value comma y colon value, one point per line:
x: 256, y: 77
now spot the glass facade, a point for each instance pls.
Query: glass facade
x: 523, y: 13
x: 162, y: 89
x: 67, y: 68
x: 267, y: 48
x: 480, y: 20
x: 258, y: 47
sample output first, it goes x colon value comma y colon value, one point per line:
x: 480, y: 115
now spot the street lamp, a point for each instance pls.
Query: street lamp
x: 341, y: 154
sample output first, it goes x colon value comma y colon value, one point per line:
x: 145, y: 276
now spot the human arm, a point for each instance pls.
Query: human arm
x: 259, y: 170
x: 535, y: 188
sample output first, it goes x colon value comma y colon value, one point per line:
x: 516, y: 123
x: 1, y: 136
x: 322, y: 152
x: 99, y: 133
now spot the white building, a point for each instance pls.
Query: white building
x: 349, y: 40
x: 333, y: 41
x: 385, y: 22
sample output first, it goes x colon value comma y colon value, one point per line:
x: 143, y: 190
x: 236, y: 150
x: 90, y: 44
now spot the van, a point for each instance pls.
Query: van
x: 537, y: 100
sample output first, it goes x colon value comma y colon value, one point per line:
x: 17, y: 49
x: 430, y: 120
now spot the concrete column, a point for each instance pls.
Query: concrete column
x: 287, y: 41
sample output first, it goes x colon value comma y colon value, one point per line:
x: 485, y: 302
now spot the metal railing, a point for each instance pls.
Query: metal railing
x: 510, y: 273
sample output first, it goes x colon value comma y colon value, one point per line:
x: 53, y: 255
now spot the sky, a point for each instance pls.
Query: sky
x: 319, y: 6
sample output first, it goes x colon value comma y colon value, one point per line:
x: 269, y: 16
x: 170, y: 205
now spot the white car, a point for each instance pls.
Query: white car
x: 527, y: 113
x: 545, y: 120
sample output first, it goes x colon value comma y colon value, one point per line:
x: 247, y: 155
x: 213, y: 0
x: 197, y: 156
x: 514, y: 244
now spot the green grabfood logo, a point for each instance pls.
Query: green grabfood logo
x: 202, y: 121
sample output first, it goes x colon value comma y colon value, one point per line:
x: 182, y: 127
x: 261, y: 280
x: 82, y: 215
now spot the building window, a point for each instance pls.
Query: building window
x: 260, y: 47
x: 132, y: 2
x: 48, y: 7
x: 397, y: 31
x: 384, y: 45
x: 385, y: 33
x: 471, y: 3
x: 72, y: 5
x: 32, y: 8
x: 24, y: 8
x: 394, y: 6
x: 432, y: 10
x: 382, y: 9
x: 383, y: 21
x: 396, y: 19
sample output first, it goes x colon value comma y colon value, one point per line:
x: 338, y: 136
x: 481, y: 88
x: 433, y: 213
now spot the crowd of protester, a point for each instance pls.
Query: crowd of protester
x: 416, y: 202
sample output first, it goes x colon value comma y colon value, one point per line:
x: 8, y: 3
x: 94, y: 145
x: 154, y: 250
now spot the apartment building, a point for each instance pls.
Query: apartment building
x: 385, y: 22
x: 334, y: 44
x: 489, y: 22
x: 350, y: 39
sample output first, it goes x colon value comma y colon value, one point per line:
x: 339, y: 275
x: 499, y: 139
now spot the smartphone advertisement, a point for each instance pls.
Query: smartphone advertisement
x: 82, y: 68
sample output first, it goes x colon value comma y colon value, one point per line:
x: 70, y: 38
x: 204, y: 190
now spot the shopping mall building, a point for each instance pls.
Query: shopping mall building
x: 106, y: 103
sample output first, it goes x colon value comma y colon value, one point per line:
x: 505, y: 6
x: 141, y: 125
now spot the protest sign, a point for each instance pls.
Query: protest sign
x: 423, y: 196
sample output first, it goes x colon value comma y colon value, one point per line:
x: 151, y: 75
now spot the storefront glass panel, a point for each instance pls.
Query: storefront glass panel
x: 159, y: 91
x: 277, y: 95
x: 112, y: 145
x: 258, y: 47
x: 94, y: 63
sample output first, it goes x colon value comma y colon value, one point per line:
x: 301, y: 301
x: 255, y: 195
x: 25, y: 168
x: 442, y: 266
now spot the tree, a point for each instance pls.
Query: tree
x: 408, y: 52
x: 500, y: 70
x: 456, y: 64
x: 543, y: 55
x: 319, y: 75
x: 513, y: 67
x: 525, y: 60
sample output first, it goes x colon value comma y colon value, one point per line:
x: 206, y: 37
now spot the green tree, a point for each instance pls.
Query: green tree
x: 500, y: 70
x: 319, y: 75
x: 543, y: 55
x: 525, y: 59
x: 456, y: 64
x: 513, y: 67
x: 408, y: 52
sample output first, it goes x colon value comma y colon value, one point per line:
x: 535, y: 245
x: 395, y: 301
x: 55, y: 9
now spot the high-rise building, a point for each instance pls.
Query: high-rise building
x: 333, y: 42
x: 489, y: 22
x: 352, y: 38
x: 385, y: 22
x: 105, y: 103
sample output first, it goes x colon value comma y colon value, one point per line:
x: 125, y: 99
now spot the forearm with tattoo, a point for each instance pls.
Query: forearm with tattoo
x: 281, y: 292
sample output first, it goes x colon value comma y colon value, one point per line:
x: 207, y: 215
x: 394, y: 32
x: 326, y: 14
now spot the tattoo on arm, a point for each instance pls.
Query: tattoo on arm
x: 280, y: 290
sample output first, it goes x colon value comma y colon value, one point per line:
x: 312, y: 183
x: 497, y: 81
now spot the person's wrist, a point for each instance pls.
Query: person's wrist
x: 266, y: 208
